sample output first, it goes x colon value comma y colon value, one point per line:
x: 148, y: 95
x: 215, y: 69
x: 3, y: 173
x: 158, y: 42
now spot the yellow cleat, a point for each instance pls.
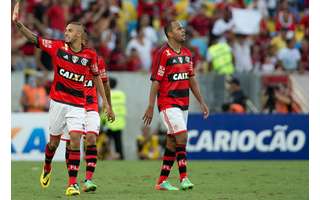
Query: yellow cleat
x: 45, y: 179
x: 73, y: 190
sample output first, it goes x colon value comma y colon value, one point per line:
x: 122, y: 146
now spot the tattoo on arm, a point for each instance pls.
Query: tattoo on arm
x: 27, y: 33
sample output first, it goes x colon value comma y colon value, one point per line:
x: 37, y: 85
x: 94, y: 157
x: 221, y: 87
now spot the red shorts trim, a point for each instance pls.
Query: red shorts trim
x: 92, y: 132
x: 56, y: 135
x: 179, y: 132
x: 77, y: 131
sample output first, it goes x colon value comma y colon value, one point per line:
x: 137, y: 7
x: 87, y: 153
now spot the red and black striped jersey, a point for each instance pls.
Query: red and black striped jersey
x: 70, y: 70
x: 172, y: 70
x: 91, y: 90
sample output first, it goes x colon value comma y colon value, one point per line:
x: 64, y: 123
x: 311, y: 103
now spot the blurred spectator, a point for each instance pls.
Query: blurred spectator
x: 134, y: 62
x: 280, y: 40
x: 277, y: 99
x: 40, y: 10
x: 237, y: 98
x: 76, y: 10
x: 34, y: 97
x: 242, y: 53
x: 290, y: 56
x: 285, y: 20
x: 304, y: 66
x: 219, y: 57
x: 104, y: 149
x: 109, y: 24
x: 148, y: 147
x: 144, y: 46
x: 268, y: 62
x: 260, y: 5
x: 200, y: 22
x: 117, y: 60
x: 56, y: 18
x: 114, y: 130
x: 148, y: 31
x: 224, y: 24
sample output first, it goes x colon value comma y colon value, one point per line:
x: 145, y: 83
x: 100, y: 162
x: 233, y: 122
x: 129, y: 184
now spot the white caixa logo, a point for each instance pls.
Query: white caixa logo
x: 75, y: 59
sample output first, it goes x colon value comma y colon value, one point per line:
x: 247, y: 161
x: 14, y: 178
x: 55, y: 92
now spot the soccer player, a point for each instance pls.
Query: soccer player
x: 92, y: 125
x: 72, y: 63
x: 172, y: 77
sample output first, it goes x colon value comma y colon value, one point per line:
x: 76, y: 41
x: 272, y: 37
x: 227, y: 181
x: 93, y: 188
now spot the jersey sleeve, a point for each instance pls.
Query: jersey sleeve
x: 158, y: 66
x: 48, y: 45
x: 102, y: 69
x: 191, y: 66
x: 94, y: 70
x: 191, y: 69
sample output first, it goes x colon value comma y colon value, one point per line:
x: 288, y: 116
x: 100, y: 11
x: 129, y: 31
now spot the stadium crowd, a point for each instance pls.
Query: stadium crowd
x: 127, y: 33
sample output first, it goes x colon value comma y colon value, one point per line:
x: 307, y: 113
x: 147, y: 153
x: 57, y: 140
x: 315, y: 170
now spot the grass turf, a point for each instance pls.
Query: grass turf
x: 215, y: 180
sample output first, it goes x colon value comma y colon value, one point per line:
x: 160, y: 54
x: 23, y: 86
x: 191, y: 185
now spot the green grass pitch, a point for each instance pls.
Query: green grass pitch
x: 130, y: 180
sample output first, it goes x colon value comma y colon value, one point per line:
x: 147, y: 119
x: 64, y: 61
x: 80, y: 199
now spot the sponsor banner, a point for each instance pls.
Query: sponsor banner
x: 29, y: 136
x: 261, y: 136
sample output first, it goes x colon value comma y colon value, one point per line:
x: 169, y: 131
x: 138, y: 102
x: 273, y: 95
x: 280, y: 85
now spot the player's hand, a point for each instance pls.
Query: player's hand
x: 147, y: 117
x: 110, y: 114
x: 15, y: 13
x: 205, y: 110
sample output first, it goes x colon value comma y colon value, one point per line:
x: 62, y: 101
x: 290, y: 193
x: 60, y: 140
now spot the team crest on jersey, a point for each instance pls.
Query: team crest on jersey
x: 71, y: 76
x: 161, y: 70
x: 84, y: 61
x: 168, y: 52
x: 75, y: 59
x: 66, y: 57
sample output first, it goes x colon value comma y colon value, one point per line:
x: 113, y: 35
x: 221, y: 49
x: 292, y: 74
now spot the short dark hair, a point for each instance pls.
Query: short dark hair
x: 168, y: 28
x: 76, y: 23
x: 112, y: 82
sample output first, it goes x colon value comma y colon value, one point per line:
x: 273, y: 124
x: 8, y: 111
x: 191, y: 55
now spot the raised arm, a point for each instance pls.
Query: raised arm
x: 32, y: 37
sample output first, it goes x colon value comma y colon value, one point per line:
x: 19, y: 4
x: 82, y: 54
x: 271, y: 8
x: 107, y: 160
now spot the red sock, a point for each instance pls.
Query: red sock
x: 168, y: 160
x: 182, y: 160
x: 73, y: 165
x: 49, y: 153
x: 91, y: 161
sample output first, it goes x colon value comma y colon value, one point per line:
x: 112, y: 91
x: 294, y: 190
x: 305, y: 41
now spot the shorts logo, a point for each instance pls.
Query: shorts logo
x: 161, y: 70
x: 71, y: 76
x: 84, y: 61
x: 75, y: 59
